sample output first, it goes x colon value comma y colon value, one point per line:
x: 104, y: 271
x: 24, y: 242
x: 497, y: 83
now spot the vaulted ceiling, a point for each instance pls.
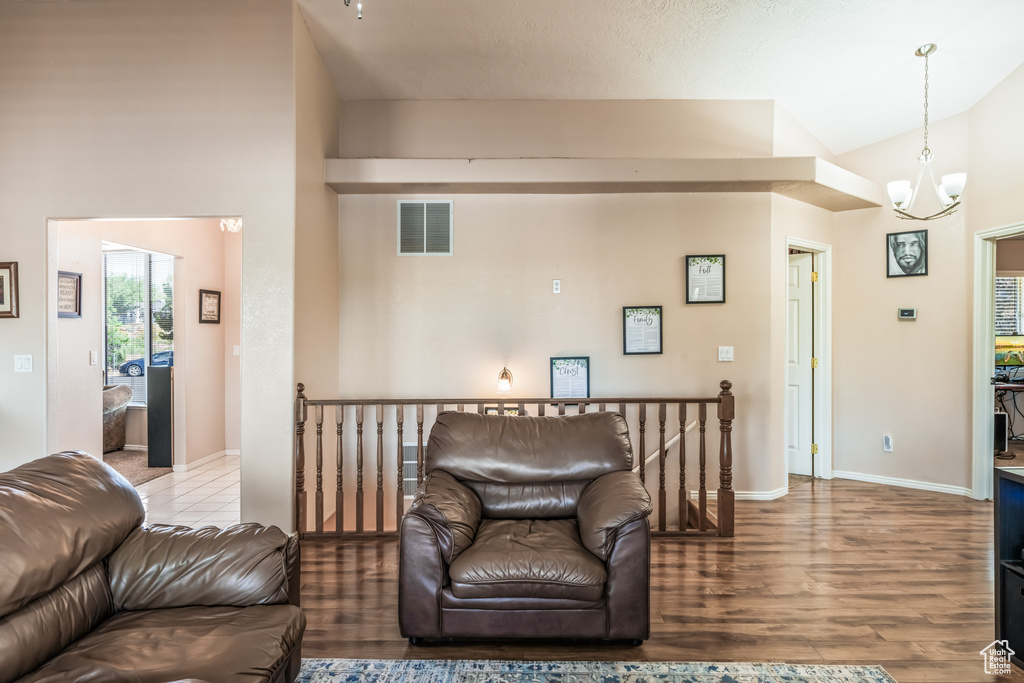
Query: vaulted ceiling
x: 845, y: 69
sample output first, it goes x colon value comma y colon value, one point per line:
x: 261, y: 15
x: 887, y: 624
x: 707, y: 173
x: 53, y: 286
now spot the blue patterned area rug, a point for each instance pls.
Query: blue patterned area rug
x: 487, y: 671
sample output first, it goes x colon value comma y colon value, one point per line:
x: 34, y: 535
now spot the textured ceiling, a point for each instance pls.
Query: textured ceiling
x: 844, y: 68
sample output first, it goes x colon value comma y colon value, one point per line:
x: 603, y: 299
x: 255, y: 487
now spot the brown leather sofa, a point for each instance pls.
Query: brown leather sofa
x: 87, y: 594
x: 527, y: 527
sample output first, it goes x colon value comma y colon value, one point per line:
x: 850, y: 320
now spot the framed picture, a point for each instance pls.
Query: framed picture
x: 209, y: 306
x: 906, y: 253
x: 69, y: 295
x: 9, y: 289
x: 705, y: 279
x: 570, y: 377
x: 493, y: 410
x: 641, y: 330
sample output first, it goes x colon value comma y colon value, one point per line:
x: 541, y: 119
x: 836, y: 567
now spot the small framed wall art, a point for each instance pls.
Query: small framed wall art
x: 906, y: 253
x: 209, y: 306
x: 570, y: 377
x: 705, y: 279
x: 641, y: 330
x: 69, y: 295
x: 9, y: 289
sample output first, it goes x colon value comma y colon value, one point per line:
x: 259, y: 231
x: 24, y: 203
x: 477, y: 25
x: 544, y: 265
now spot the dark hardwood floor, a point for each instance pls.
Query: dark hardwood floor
x: 835, y: 572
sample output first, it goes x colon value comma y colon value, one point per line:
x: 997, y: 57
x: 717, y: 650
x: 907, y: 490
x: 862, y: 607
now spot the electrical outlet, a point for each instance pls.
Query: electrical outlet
x: 887, y: 443
x: 556, y: 286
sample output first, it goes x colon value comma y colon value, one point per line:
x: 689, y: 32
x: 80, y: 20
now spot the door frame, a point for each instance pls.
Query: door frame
x: 822, y: 331
x: 984, y: 357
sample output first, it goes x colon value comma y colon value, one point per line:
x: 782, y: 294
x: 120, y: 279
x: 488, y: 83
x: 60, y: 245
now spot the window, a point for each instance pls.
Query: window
x: 425, y: 227
x: 139, y: 302
x: 1008, y: 306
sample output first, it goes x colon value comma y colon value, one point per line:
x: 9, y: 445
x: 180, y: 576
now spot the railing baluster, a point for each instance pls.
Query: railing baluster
x: 561, y: 409
x: 359, y: 467
x: 540, y: 409
x: 684, y: 495
x: 726, y: 496
x: 662, y: 498
x: 318, y: 505
x: 339, y: 494
x: 400, y: 493
x: 601, y: 407
x: 380, y: 468
x: 702, y: 493
x: 583, y: 407
x: 643, y: 442
x: 300, y: 460
x: 419, y: 444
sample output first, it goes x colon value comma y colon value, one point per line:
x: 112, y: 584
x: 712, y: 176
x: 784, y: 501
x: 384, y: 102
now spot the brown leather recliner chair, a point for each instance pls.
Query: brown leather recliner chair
x: 527, y: 527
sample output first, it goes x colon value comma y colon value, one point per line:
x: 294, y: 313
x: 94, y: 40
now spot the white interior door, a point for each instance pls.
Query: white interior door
x: 799, y: 377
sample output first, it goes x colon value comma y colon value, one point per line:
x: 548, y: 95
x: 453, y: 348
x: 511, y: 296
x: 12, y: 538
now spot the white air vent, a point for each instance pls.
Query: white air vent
x: 425, y: 227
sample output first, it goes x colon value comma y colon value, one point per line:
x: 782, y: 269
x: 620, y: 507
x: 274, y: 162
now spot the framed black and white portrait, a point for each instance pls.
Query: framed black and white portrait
x: 906, y: 253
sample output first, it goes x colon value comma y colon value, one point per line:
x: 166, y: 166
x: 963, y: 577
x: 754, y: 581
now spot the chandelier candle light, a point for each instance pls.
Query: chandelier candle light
x: 359, y: 8
x: 948, y: 193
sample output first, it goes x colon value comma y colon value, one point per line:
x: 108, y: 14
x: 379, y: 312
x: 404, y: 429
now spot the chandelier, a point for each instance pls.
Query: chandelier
x: 359, y: 8
x: 230, y: 224
x: 948, y: 193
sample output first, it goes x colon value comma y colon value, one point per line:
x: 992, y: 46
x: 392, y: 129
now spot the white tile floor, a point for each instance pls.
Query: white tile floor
x: 205, y: 496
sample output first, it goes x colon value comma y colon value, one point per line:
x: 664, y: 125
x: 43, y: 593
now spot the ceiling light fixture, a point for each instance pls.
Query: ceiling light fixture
x: 231, y: 224
x: 359, y: 8
x: 948, y: 193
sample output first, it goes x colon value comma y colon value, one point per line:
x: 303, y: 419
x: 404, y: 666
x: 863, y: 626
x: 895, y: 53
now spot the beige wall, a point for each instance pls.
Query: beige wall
x: 910, y: 380
x: 1010, y: 255
x: 162, y: 108
x: 997, y: 148
x: 502, y: 129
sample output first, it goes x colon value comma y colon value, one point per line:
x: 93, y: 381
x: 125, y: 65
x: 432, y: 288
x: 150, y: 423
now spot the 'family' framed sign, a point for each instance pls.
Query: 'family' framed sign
x: 641, y: 330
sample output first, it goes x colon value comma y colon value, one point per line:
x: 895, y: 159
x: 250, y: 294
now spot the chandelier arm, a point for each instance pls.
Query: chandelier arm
x: 917, y: 188
x: 951, y: 209
x: 943, y: 201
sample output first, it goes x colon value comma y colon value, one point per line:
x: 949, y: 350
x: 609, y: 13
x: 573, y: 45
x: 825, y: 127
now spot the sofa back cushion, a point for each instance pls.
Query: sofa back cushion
x: 59, y: 515
x: 528, y: 467
x: 174, y: 566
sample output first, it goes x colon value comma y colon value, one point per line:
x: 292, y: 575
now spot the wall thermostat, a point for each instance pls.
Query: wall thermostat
x: 907, y: 313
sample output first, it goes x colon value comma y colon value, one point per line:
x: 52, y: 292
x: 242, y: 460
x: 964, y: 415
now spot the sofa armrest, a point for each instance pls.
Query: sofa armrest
x: 607, y: 503
x: 173, y: 566
x: 451, y: 509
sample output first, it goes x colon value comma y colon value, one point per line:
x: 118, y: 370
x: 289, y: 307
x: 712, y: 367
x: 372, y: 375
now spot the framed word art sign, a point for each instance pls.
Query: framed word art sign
x: 570, y: 377
x: 641, y: 329
x: 705, y: 279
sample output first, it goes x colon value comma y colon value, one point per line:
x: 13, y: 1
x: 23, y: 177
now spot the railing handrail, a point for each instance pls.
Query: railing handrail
x: 506, y: 401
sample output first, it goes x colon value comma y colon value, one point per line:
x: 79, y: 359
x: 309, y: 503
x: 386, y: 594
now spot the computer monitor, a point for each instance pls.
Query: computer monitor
x: 1010, y: 351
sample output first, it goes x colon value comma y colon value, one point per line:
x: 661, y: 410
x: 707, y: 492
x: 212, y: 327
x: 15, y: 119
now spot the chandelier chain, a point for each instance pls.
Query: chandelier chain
x: 925, y: 151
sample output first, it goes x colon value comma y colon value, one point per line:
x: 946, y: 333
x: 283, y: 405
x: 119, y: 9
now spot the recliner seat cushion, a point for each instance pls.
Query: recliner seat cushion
x: 528, y: 559
x: 222, y: 644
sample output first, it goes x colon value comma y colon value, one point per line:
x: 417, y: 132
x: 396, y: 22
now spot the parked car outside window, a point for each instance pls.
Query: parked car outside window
x: 137, y: 366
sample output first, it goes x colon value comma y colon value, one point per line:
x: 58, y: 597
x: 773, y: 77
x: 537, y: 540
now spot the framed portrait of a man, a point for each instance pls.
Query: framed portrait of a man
x: 906, y: 253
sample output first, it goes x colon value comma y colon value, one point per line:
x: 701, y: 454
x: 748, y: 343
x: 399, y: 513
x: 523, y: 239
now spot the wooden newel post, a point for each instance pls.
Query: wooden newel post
x: 726, y: 496
x: 300, y: 460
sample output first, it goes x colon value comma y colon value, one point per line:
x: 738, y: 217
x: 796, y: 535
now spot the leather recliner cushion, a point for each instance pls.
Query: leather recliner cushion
x: 222, y: 644
x: 528, y: 559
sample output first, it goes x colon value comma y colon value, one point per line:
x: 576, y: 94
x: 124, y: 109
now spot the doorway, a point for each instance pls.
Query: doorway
x: 983, y: 419
x: 808, y: 382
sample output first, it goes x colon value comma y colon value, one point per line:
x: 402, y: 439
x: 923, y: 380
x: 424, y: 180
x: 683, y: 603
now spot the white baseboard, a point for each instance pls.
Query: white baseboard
x: 904, y: 483
x: 201, y: 461
x: 135, y: 447
x: 233, y: 451
x: 746, y: 495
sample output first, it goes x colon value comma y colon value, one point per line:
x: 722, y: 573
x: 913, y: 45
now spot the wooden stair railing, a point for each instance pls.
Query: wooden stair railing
x: 695, y: 515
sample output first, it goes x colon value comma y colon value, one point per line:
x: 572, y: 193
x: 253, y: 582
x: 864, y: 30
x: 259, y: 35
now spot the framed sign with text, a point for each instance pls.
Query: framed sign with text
x: 9, y: 289
x: 641, y: 330
x: 570, y: 377
x: 705, y: 279
x: 69, y: 295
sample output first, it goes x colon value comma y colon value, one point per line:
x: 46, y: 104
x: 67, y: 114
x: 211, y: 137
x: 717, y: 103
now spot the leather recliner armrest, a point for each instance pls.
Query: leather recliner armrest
x: 174, y: 566
x: 451, y: 509
x: 607, y: 503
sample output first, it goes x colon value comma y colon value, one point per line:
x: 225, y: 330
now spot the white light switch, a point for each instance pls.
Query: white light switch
x: 725, y: 354
x: 556, y: 286
x: 237, y: 350
x: 23, y: 363
x: 94, y: 358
